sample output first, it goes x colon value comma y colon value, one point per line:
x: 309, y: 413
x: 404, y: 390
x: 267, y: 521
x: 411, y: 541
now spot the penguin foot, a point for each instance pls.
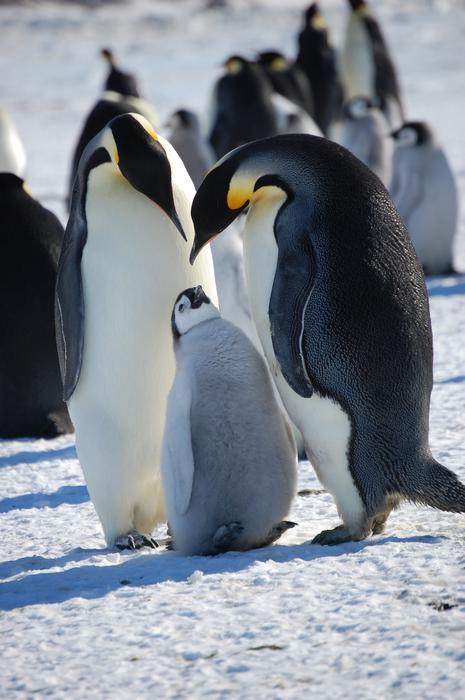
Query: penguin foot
x: 276, y: 532
x: 338, y: 535
x: 135, y: 540
x: 226, y: 535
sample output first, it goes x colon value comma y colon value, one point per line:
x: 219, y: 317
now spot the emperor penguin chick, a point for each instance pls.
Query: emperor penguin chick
x: 339, y: 301
x: 124, y: 258
x: 424, y: 191
x: 229, y: 463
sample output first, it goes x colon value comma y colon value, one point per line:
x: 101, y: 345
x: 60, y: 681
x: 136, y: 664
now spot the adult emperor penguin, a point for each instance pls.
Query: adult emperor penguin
x: 366, y: 64
x: 222, y: 403
x: 31, y: 403
x: 424, y: 191
x: 365, y: 132
x: 317, y: 58
x: 185, y: 135
x: 287, y: 79
x: 339, y: 301
x: 12, y: 153
x: 124, y: 259
x: 242, y: 108
x: 109, y: 106
x: 117, y: 80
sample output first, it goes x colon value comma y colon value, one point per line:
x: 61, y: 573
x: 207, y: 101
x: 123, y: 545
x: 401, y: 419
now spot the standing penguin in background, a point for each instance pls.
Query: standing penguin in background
x: 12, y: 153
x: 424, y: 191
x: 117, y: 80
x: 185, y: 136
x: 125, y: 257
x: 242, y: 106
x: 229, y: 463
x: 318, y: 60
x: 364, y: 132
x: 31, y: 402
x: 287, y: 79
x: 340, y: 304
x: 366, y: 64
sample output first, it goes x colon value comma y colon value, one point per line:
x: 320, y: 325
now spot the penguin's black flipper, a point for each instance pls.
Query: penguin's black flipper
x: 292, y: 287
x: 69, y: 298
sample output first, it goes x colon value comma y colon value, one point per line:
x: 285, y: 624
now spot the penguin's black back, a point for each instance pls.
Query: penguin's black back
x: 386, y: 82
x: 367, y: 336
x: 245, y: 111
x: 121, y: 82
x: 30, y: 382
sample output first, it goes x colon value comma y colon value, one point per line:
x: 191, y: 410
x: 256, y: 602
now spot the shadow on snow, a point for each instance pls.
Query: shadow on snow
x: 446, y: 286
x: 34, y: 457
x: 65, y: 494
x: 94, y: 581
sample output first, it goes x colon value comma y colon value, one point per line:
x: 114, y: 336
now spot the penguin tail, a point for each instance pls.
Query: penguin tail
x: 436, y: 486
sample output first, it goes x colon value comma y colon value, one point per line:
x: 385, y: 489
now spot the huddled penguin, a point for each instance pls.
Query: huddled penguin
x: 31, y: 402
x: 12, y: 152
x: 424, y: 191
x: 229, y: 463
x: 117, y: 80
x: 366, y: 64
x: 340, y: 304
x: 125, y: 257
x: 318, y: 60
x: 292, y: 119
x: 287, y: 79
x: 242, y: 108
x: 364, y: 131
x: 185, y: 135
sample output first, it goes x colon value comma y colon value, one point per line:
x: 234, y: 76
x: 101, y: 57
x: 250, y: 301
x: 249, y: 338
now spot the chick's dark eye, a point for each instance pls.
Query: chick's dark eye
x: 181, y: 307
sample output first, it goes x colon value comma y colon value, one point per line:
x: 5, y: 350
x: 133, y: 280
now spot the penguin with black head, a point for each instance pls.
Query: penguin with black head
x: 117, y: 80
x: 287, y: 79
x: 339, y: 301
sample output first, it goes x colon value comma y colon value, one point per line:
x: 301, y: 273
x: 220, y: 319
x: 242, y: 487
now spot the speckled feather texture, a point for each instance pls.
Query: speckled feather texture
x: 381, y: 618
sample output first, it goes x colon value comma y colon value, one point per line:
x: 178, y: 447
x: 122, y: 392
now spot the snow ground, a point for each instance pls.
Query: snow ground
x: 382, y: 618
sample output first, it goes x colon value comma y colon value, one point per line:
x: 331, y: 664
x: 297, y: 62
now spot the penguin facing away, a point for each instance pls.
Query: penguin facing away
x: 12, y: 152
x: 31, y: 403
x: 366, y: 64
x: 242, y: 107
x: 229, y: 464
x: 185, y: 136
x: 117, y: 80
x: 339, y: 301
x: 365, y: 133
x: 125, y: 257
x: 318, y: 60
x: 424, y: 191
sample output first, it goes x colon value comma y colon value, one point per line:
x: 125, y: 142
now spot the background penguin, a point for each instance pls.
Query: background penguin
x: 31, y: 402
x: 287, y: 79
x: 229, y: 465
x: 424, y: 191
x: 365, y: 132
x: 117, y: 80
x: 318, y: 60
x: 124, y: 259
x: 339, y: 301
x: 12, y: 153
x: 242, y: 107
x: 366, y: 64
x: 184, y: 134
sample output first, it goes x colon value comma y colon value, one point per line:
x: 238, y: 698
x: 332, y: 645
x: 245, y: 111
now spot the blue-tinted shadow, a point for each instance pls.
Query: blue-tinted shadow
x: 437, y: 286
x: 66, y: 494
x: 34, y: 457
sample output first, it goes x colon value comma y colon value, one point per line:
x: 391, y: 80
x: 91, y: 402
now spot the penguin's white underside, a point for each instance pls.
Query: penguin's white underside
x: 326, y: 426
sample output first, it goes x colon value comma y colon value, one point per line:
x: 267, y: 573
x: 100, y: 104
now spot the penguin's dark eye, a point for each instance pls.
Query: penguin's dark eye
x: 181, y: 308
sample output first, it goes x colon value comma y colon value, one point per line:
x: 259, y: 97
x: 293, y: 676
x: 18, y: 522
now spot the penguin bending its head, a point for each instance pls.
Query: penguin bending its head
x: 365, y: 132
x: 287, y: 79
x: 125, y: 257
x: 229, y: 463
x: 425, y: 193
x: 317, y: 58
x: 340, y: 305
x: 31, y: 403
x: 242, y: 106
x: 117, y: 80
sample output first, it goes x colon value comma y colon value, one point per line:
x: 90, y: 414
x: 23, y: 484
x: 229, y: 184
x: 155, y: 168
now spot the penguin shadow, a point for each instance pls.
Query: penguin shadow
x: 446, y: 286
x: 27, y: 458
x: 148, y: 569
x: 73, y: 495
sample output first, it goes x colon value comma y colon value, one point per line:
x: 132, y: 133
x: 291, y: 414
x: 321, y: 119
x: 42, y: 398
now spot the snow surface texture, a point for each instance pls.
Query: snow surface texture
x: 383, y: 618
